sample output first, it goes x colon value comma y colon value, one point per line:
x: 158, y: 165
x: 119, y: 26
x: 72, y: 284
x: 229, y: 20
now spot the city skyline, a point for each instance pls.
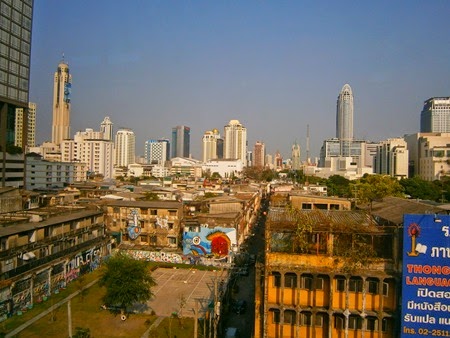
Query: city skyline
x: 271, y: 66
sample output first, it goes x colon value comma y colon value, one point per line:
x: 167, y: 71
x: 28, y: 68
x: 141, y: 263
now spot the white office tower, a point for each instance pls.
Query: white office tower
x: 90, y: 148
x: 125, y: 147
x: 62, y: 84
x: 157, y: 151
x: 210, y: 145
x: 344, y: 119
x: 235, y: 143
x: 392, y: 158
x: 31, y: 127
x: 295, y: 156
x: 106, y: 127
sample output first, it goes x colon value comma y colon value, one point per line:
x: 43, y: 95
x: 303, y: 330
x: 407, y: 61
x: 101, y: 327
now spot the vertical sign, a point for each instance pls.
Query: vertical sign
x: 426, y: 276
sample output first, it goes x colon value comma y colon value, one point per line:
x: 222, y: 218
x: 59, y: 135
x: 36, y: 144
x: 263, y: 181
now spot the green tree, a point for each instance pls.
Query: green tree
x: 82, y: 333
x: 416, y: 187
x: 127, y: 281
x: 338, y: 185
x: 370, y: 188
x: 151, y: 196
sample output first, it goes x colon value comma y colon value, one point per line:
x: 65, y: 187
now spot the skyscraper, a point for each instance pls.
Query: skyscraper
x: 344, y: 118
x: 181, y: 138
x: 62, y: 84
x: 125, y: 147
x: 259, y: 154
x: 295, y: 156
x: 15, y: 52
x: 157, y: 151
x: 235, y: 141
x: 22, y: 115
x: 106, y: 127
x: 435, y: 115
x: 211, y: 145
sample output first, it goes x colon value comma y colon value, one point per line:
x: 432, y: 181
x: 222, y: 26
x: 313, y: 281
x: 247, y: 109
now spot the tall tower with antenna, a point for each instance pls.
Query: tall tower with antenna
x: 307, y: 145
x: 62, y: 85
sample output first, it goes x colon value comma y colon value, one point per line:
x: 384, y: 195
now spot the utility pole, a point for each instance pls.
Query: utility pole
x: 196, y: 320
x: 69, y: 317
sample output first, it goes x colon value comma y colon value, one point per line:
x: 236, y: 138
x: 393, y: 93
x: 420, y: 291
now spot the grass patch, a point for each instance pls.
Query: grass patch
x: 87, y: 314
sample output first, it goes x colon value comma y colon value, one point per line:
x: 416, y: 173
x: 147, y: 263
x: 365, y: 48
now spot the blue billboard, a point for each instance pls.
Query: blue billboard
x: 426, y: 276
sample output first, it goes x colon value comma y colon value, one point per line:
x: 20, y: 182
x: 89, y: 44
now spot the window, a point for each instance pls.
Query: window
x: 172, y: 240
x: 306, y: 206
x: 372, y: 286
x: 339, y: 322
x: 385, y: 325
x: 340, y: 284
x: 319, y: 283
x: 354, y: 323
x: 306, y: 282
x: 172, y: 212
x: 290, y: 280
x: 154, y: 212
x: 319, y: 320
x: 305, y: 318
x: 385, y: 289
x: 290, y: 317
x: 372, y: 324
x: 355, y: 285
x: 276, y: 279
x: 275, y: 316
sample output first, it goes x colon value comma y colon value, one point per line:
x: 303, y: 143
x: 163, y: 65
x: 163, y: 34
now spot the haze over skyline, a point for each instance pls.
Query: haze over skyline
x: 274, y: 66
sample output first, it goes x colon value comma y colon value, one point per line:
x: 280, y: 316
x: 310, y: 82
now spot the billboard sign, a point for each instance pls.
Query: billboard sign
x: 426, y: 276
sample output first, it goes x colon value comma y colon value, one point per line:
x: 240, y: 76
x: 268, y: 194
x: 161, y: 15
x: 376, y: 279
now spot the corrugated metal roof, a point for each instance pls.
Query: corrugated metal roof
x: 392, y: 209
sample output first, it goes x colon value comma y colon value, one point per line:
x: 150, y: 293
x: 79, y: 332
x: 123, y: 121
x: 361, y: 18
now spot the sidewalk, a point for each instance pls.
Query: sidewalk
x: 46, y: 312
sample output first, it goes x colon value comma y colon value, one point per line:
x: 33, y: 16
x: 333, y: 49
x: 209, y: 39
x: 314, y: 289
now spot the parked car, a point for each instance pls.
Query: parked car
x: 240, y: 306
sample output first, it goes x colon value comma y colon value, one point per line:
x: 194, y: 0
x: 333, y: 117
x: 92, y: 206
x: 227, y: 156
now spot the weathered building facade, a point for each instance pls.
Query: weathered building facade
x: 43, y: 250
x: 327, y: 273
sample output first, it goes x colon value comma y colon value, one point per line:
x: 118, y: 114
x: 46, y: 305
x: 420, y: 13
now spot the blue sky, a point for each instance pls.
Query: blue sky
x: 276, y: 66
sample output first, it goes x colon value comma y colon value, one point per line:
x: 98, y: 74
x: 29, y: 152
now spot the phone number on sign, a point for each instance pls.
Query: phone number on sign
x: 435, y: 333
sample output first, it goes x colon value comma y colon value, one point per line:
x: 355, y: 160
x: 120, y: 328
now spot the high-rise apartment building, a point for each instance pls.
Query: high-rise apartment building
x: 157, y: 151
x: 235, y: 143
x: 295, y: 156
x: 392, y: 158
x: 15, y: 52
x: 435, y: 115
x: 344, y: 118
x: 181, y: 140
x: 211, y: 143
x: 62, y: 83
x: 259, y: 154
x: 23, y: 115
x: 125, y: 147
x: 106, y: 127
x: 89, y: 148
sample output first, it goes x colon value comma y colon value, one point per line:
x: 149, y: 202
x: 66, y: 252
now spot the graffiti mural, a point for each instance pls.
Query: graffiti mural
x: 216, y: 242
x: 155, y: 256
x: 134, y: 229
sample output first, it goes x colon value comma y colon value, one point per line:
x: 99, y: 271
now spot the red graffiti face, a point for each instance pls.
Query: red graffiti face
x: 219, y: 246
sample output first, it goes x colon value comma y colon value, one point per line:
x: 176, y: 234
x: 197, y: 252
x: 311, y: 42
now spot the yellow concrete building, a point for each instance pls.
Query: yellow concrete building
x: 327, y: 273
